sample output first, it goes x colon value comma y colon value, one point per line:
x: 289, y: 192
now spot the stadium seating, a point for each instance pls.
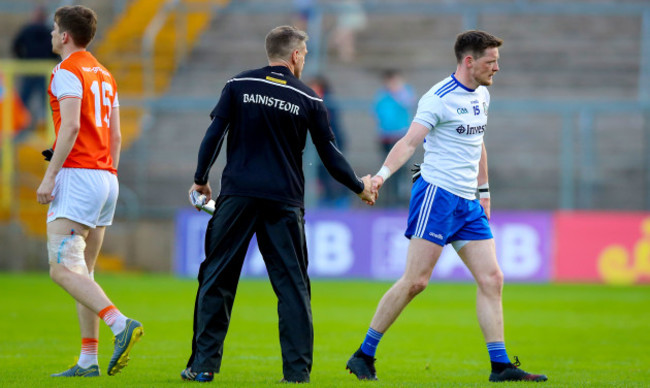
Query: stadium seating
x: 558, y: 59
x: 554, y: 68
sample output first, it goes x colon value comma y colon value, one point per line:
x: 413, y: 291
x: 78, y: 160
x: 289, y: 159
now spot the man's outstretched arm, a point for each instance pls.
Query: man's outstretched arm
x: 340, y: 169
x: 401, y: 153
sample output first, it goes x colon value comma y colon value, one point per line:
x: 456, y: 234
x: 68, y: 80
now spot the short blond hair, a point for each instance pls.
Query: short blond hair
x: 283, y: 40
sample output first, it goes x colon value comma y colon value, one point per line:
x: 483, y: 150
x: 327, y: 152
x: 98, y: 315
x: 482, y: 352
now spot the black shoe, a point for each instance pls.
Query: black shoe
x: 362, y: 365
x: 513, y: 373
x: 204, y: 377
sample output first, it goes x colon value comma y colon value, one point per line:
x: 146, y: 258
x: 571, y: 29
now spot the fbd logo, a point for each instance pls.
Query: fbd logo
x: 461, y: 111
x: 460, y: 129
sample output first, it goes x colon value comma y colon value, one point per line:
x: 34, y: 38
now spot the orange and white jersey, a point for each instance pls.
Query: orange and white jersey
x: 81, y: 76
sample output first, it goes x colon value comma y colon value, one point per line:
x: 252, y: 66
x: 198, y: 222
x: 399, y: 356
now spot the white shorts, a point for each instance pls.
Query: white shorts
x: 85, y: 196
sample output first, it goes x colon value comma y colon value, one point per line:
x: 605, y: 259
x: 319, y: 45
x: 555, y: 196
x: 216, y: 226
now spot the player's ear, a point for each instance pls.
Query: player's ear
x: 469, y: 60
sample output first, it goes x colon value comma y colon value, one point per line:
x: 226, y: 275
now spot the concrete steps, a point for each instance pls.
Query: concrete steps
x: 572, y: 58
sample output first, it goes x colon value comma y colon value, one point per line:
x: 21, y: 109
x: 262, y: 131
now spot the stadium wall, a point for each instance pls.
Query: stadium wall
x: 602, y: 247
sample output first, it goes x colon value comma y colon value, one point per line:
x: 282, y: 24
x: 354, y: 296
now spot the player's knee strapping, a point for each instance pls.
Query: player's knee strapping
x: 68, y: 250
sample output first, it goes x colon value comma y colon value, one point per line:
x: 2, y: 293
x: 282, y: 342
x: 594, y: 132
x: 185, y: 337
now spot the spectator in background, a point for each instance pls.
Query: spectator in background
x: 20, y: 115
x: 333, y: 194
x: 33, y: 41
x: 393, y: 108
x: 351, y: 18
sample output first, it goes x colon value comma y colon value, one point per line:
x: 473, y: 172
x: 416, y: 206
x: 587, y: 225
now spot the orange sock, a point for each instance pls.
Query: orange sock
x: 88, y: 354
x: 113, y: 318
x: 89, y: 345
x: 109, y: 314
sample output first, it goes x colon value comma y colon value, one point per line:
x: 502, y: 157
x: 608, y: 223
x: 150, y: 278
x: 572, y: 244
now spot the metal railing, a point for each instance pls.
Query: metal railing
x: 578, y: 176
x: 149, y: 42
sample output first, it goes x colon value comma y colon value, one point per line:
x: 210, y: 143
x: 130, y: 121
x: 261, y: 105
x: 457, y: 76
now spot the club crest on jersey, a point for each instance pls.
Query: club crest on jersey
x: 485, y: 107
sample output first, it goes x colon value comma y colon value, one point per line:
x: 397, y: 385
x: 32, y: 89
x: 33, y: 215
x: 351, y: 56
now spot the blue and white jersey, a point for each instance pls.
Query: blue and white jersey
x: 456, y: 117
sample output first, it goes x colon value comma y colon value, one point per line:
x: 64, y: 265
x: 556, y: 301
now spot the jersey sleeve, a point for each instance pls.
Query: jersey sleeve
x: 429, y: 111
x: 66, y: 84
x: 209, y: 150
x: 224, y: 107
x: 319, y: 126
x: 338, y: 166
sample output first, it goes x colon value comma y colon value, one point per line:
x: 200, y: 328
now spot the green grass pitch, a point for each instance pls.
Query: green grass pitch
x: 579, y: 335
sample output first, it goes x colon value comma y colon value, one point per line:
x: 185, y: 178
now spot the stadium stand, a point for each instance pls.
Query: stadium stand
x: 569, y: 125
x: 557, y: 65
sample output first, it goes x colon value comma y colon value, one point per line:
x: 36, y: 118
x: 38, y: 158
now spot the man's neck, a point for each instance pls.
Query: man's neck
x: 69, y: 50
x: 280, y: 62
x: 462, y: 76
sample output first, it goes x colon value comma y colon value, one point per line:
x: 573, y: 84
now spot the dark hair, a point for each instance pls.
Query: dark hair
x: 283, y: 40
x: 323, y: 82
x: 475, y: 43
x: 78, y: 21
x: 389, y: 74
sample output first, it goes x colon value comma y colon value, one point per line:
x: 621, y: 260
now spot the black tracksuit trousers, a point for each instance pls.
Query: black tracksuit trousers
x: 281, y: 238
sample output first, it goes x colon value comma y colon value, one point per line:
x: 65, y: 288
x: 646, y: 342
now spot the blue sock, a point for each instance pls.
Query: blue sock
x: 369, y: 345
x: 498, y: 352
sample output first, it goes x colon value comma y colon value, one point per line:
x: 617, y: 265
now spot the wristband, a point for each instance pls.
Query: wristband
x: 484, y: 191
x: 384, y: 173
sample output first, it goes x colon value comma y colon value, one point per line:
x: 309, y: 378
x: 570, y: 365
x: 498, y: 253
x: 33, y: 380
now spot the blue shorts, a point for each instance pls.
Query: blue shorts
x: 441, y: 217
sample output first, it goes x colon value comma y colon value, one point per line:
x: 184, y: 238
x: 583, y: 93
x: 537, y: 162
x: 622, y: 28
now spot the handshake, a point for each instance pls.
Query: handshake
x: 370, y: 189
x: 372, y: 185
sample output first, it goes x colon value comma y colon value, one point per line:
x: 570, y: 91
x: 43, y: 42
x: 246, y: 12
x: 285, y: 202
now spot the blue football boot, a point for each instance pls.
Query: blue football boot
x: 124, y: 342
x: 77, y: 371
